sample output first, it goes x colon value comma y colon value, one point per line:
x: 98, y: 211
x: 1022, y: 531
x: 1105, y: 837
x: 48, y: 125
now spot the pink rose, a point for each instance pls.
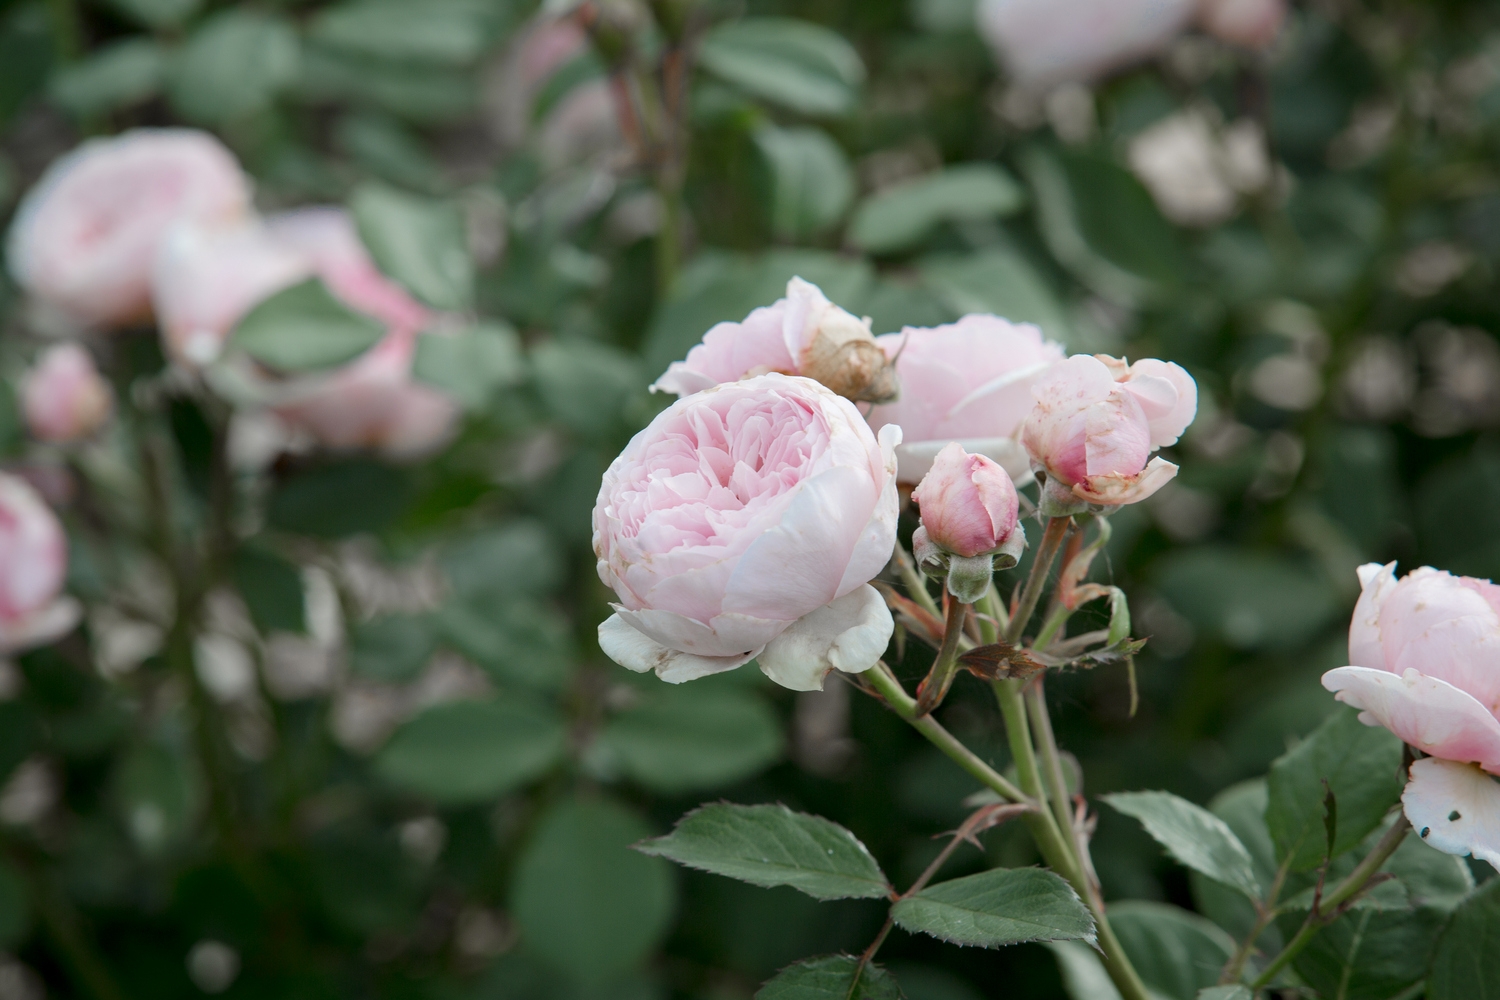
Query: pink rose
x: 1097, y: 420
x: 33, y: 563
x: 747, y: 521
x: 578, y: 123
x: 1425, y: 655
x: 802, y: 334
x: 1046, y: 42
x: 969, y: 382
x: 968, y: 504
x: 64, y: 398
x: 84, y: 238
x: 1250, y: 24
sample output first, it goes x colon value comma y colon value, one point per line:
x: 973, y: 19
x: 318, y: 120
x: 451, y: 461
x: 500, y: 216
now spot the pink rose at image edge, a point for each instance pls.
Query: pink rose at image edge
x: 33, y: 565
x: 63, y: 397
x: 1042, y: 43
x: 1424, y: 656
x: 1250, y: 24
x: 968, y: 504
x: 744, y: 522
x: 85, y: 235
x: 968, y: 381
x: 1097, y: 421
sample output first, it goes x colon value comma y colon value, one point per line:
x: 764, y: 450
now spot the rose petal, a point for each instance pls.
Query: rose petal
x: 849, y: 634
x: 1376, y: 583
x: 723, y: 635
x: 51, y: 622
x: 1430, y: 714
x: 636, y: 651
x: 914, y: 460
x: 1115, y: 490
x: 1455, y: 808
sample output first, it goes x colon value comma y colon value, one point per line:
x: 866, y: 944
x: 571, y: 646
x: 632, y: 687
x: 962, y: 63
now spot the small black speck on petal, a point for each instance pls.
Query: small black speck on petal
x: 1454, y: 817
x: 1425, y: 831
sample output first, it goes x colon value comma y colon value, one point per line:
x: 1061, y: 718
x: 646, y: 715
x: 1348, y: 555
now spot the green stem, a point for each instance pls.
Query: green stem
x: 940, y: 677
x: 1051, y: 760
x: 1267, y: 912
x: 1036, y: 581
x: 1327, y: 909
x: 916, y: 584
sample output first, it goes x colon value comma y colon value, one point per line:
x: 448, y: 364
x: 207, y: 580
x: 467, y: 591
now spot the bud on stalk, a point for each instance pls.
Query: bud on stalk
x: 970, y: 516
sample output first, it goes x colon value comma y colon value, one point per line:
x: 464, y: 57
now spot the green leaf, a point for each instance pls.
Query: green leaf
x: 158, y: 796
x: 272, y: 589
x: 1083, y: 974
x: 1362, y: 766
x: 388, y: 149
x: 1176, y: 952
x: 1249, y: 599
x: 998, y: 907
x: 15, y: 912
x: 812, y: 183
x: 903, y: 215
x: 1367, y: 953
x: 157, y: 13
x: 830, y: 977
x: 584, y: 901
x: 589, y: 387
x: 304, y: 328
x: 453, y: 32
x: 1242, y: 808
x: 516, y: 559
x: 416, y: 92
x: 233, y: 66
x: 797, y: 64
x: 517, y: 640
x: 1235, y: 992
x: 471, y: 365
x: 338, y: 499
x: 771, y: 845
x: 996, y: 281
x: 683, y: 739
x: 1466, y: 965
x: 473, y: 751
x: 114, y: 76
x: 391, y: 648
x: 420, y: 242
x: 1193, y: 835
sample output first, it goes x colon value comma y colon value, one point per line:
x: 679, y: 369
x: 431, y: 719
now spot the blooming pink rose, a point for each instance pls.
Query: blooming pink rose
x: 1047, y: 42
x: 1425, y: 655
x: 84, y: 238
x: 1250, y: 24
x: 64, y: 398
x: 802, y: 334
x: 969, y: 382
x: 969, y: 505
x: 747, y: 521
x: 1097, y: 420
x: 33, y: 562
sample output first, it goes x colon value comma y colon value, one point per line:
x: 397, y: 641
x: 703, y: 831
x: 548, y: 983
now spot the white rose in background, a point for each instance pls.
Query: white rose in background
x: 84, y: 238
x: 747, y: 521
x: 1196, y: 169
x: 33, y: 565
x: 64, y: 398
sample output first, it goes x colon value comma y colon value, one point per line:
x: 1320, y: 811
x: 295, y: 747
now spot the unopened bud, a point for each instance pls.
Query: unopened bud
x: 64, y: 397
x: 836, y: 347
x: 970, y: 522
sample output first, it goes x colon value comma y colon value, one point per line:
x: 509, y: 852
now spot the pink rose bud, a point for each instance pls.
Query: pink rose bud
x: 747, y: 521
x: 1250, y: 24
x: 64, y: 398
x: 84, y: 238
x: 33, y: 563
x: 1046, y: 42
x: 1095, y: 424
x: 1425, y: 664
x: 969, y: 515
x: 969, y: 382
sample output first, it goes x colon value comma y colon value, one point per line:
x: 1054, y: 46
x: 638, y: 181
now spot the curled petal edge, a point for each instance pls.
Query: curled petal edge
x: 1430, y: 714
x: 42, y: 626
x: 1114, y: 489
x: 1455, y: 808
x: 636, y: 651
x: 849, y: 634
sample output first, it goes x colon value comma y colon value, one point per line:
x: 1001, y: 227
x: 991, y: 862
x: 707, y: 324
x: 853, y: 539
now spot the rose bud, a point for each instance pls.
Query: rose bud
x: 84, y: 238
x: 746, y: 522
x: 1250, y: 24
x: 969, y: 516
x: 1046, y: 42
x: 1425, y: 664
x: 1095, y: 424
x: 64, y: 399
x: 802, y: 334
x: 33, y: 564
x: 969, y: 382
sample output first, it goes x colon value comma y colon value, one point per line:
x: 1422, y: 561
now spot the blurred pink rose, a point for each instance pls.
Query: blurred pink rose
x: 1250, y: 24
x: 968, y: 504
x: 802, y: 334
x: 1046, y: 42
x: 1097, y: 420
x: 85, y: 236
x: 747, y: 521
x: 580, y: 122
x: 969, y: 382
x: 33, y: 563
x: 64, y: 398
x: 1425, y: 655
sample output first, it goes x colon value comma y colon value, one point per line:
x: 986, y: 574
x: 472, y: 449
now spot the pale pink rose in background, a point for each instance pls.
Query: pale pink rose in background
x: 33, y: 564
x: 1425, y: 664
x: 580, y: 123
x: 85, y: 236
x: 969, y: 382
x: 1250, y: 24
x: 1042, y: 43
x: 968, y: 504
x: 747, y: 521
x: 1097, y: 420
x: 64, y: 398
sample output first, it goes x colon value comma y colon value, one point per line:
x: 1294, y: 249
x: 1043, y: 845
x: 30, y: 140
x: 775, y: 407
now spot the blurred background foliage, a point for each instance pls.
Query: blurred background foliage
x: 420, y: 782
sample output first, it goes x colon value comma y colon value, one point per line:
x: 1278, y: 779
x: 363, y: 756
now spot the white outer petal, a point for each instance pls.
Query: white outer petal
x: 1376, y: 584
x: 724, y: 635
x: 52, y: 621
x: 914, y: 460
x: 1442, y: 789
x: 682, y: 380
x: 634, y: 650
x: 849, y: 634
x: 1426, y: 712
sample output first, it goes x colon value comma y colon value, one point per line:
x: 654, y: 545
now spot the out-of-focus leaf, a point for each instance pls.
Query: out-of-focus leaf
x: 304, y: 328
x: 1083, y: 974
x: 517, y: 559
x: 364, y: 881
x: 471, y: 365
x: 999, y: 282
x: 392, y: 647
x: 386, y: 148
x: 340, y: 498
x: 473, y: 751
x: 12, y: 428
x: 586, y: 902
x: 771, y: 845
x: 1459, y: 529
x: 158, y: 795
x: 587, y: 386
x: 1176, y: 952
x: 436, y: 31
x: 1247, y: 598
x: 15, y: 912
x: 998, y: 907
x: 830, y: 977
x: 682, y: 739
x: 1362, y: 767
x: 418, y: 241
x: 233, y: 65
x: 115, y: 76
x: 517, y: 640
x: 26, y: 52
x: 271, y: 588
x: 1234, y: 992
x: 797, y: 64
x: 157, y: 13
x: 1466, y: 965
x: 811, y: 183
x: 18, y: 732
x: 900, y: 217
x: 1193, y: 835
x: 1242, y: 808
x: 421, y: 93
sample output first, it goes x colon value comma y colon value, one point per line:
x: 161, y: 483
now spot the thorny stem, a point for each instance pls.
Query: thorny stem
x: 1051, y: 761
x: 1266, y: 912
x: 932, y: 690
